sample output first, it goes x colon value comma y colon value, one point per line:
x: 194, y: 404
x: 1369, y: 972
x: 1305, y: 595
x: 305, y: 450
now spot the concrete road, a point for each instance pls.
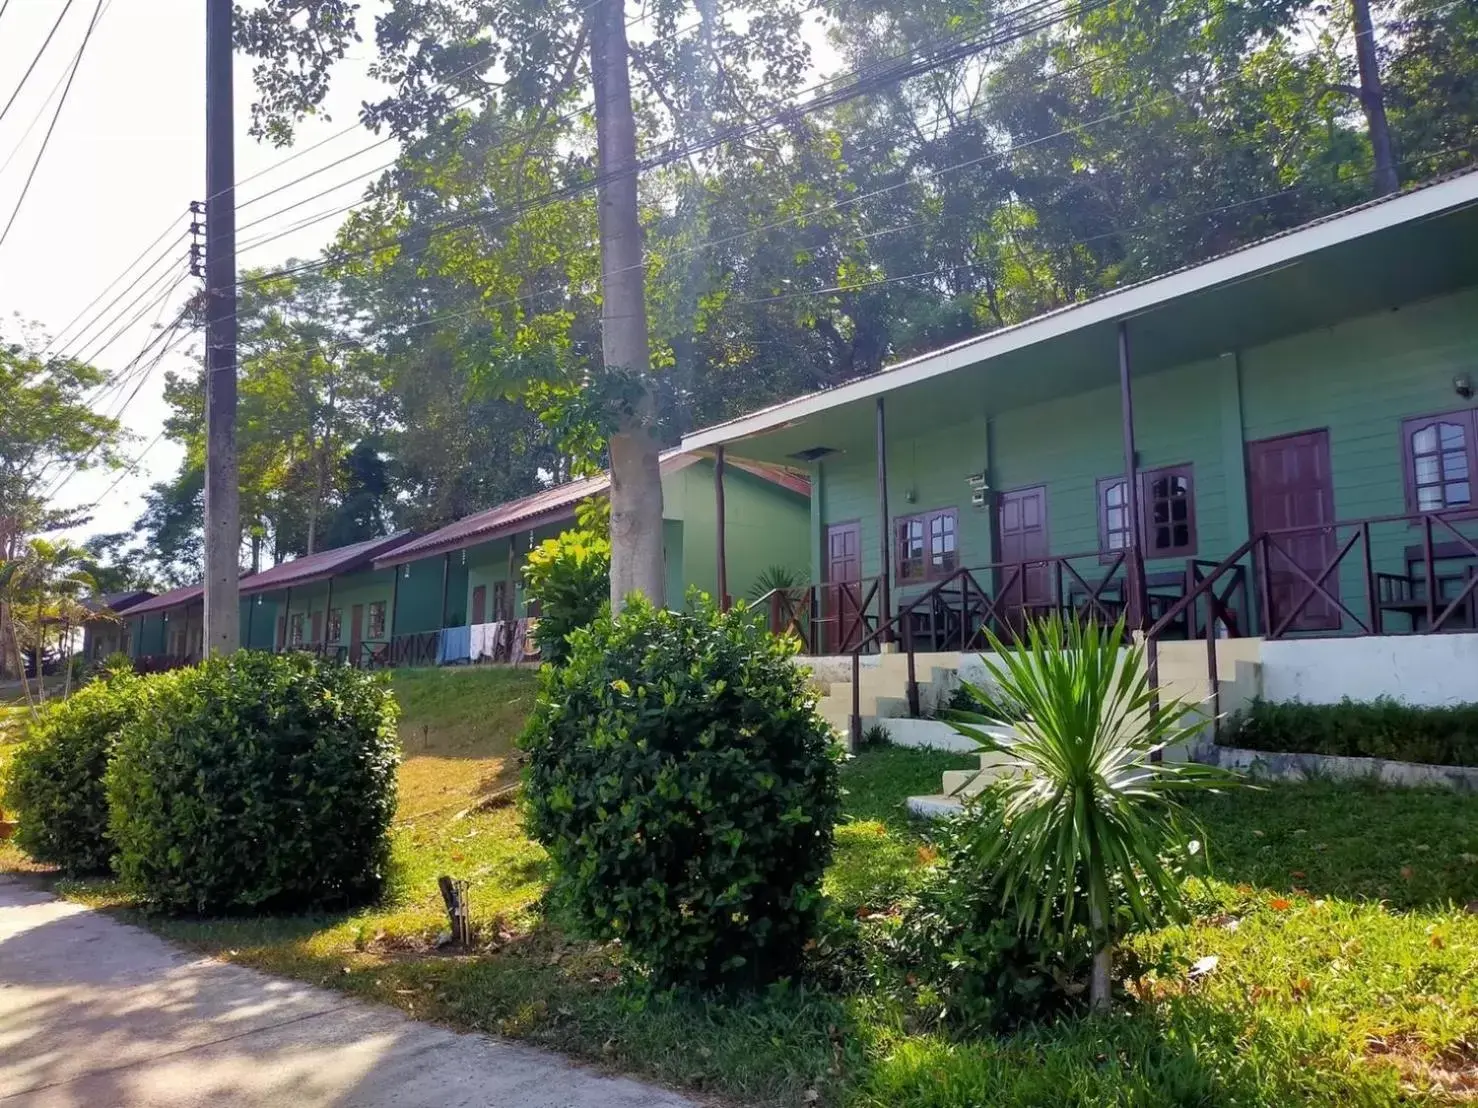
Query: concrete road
x: 96, y: 1013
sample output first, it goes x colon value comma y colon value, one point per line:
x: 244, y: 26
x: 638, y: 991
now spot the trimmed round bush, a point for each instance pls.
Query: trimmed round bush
x: 54, y: 783
x: 686, y: 790
x: 256, y: 782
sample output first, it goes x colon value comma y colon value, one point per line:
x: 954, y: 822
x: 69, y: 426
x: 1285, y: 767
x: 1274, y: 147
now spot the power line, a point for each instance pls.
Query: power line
x: 157, y: 301
x: 46, y: 140
x: 26, y: 76
x: 81, y: 336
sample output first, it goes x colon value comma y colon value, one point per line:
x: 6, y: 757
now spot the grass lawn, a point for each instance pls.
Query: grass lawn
x: 1347, y: 968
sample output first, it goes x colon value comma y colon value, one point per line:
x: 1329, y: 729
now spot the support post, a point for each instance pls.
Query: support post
x: 390, y: 619
x: 222, y: 633
x: 287, y: 620
x: 510, y: 594
x: 446, y: 584
x: 1134, y: 563
x: 718, y: 508
x: 251, y: 612
x: 328, y: 606
x: 885, y: 536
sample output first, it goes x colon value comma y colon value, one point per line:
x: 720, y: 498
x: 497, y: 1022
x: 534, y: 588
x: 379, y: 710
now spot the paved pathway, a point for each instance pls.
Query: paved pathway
x: 99, y: 1014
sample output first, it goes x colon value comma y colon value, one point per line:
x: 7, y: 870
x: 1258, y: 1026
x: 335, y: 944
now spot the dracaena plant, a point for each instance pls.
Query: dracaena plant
x: 1082, y: 824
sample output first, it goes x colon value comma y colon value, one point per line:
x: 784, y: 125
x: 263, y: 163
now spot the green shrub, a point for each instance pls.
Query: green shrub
x: 686, y: 790
x: 257, y: 781
x: 1383, y: 728
x: 967, y: 963
x: 570, y: 577
x: 1088, y: 829
x: 55, y: 781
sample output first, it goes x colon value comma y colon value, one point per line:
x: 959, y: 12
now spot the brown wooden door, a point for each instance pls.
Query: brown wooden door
x: 1289, y: 484
x: 1023, y: 531
x: 356, y: 632
x: 841, y: 597
x: 479, y: 605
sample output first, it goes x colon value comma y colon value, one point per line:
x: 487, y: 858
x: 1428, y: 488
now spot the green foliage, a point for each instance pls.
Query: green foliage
x: 776, y: 578
x: 256, y: 782
x: 570, y: 578
x: 1381, y: 728
x: 55, y: 781
x: 686, y: 791
x: 1080, y: 835
x: 968, y: 964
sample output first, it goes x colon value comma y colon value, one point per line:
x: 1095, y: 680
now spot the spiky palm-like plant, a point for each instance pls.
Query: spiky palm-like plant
x: 1083, y: 818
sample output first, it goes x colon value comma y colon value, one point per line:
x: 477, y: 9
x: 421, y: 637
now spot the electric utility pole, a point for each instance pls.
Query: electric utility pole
x: 222, y: 495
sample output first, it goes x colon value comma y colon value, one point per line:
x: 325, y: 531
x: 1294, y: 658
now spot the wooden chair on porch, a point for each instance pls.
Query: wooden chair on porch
x: 1454, y: 567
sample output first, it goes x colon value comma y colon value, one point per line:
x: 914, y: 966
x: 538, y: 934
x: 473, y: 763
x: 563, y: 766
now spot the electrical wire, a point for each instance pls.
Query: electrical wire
x: 97, y: 11
x: 100, y: 322
x: 60, y: 335
x: 26, y: 76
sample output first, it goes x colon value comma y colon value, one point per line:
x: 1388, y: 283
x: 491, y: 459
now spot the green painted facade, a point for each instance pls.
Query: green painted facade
x: 1358, y: 379
x: 765, y: 524
x: 164, y: 632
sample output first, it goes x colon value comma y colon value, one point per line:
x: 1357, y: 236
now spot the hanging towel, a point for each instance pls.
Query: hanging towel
x: 455, y: 646
x: 477, y: 648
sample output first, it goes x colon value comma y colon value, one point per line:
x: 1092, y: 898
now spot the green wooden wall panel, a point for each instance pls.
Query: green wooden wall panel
x: 764, y: 526
x: 1358, y: 380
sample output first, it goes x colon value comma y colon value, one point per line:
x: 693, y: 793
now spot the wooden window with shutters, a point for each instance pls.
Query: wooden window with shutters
x: 1440, y: 453
x: 1167, y: 506
x: 927, y: 545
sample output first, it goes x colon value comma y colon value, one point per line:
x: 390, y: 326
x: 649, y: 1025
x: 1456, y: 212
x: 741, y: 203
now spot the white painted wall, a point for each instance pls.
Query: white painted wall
x: 1419, y: 669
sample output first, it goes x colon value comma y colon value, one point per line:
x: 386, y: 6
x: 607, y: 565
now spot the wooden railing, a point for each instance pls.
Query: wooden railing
x: 415, y: 650
x: 1333, y: 578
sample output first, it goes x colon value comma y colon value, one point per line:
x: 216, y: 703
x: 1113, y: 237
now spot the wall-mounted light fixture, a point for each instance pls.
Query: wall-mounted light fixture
x: 978, y: 488
x: 909, y: 495
x: 1462, y: 384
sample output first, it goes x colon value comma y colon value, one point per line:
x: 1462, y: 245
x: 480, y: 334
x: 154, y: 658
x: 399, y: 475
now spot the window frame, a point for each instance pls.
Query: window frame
x: 334, y: 625
x: 369, y: 621
x: 1467, y: 418
x: 926, y: 558
x: 1145, y: 477
x: 297, y: 627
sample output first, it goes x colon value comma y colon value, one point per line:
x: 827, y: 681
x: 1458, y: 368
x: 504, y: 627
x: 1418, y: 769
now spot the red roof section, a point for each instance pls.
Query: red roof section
x: 559, y: 503
x: 186, y: 594
x: 326, y: 563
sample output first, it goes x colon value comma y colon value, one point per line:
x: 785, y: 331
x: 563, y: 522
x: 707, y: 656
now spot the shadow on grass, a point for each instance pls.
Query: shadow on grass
x: 1353, y: 840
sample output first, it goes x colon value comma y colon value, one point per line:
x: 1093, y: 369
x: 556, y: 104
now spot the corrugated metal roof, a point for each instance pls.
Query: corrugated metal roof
x: 325, y: 563
x: 186, y: 594
x: 559, y: 503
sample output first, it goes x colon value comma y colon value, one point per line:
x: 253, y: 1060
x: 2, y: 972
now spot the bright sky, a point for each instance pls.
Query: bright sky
x: 127, y: 157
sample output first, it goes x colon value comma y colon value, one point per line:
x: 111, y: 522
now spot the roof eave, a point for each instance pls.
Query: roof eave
x: 1250, y: 261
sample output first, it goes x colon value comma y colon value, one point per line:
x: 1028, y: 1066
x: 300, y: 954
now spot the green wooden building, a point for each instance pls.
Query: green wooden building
x: 470, y: 571
x: 1278, y: 442
x: 386, y: 601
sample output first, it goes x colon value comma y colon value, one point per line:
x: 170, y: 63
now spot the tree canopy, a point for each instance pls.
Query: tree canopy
x: 824, y: 188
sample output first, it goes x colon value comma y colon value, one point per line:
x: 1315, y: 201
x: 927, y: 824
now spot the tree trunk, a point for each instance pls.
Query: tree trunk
x: 636, y: 481
x: 1100, y: 991
x: 1373, y: 100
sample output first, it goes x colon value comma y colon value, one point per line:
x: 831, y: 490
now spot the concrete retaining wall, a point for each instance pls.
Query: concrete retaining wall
x: 1426, y: 670
x: 1270, y: 766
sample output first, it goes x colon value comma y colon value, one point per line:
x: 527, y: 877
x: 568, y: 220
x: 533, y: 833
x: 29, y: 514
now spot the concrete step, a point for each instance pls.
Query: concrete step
x: 935, y: 807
